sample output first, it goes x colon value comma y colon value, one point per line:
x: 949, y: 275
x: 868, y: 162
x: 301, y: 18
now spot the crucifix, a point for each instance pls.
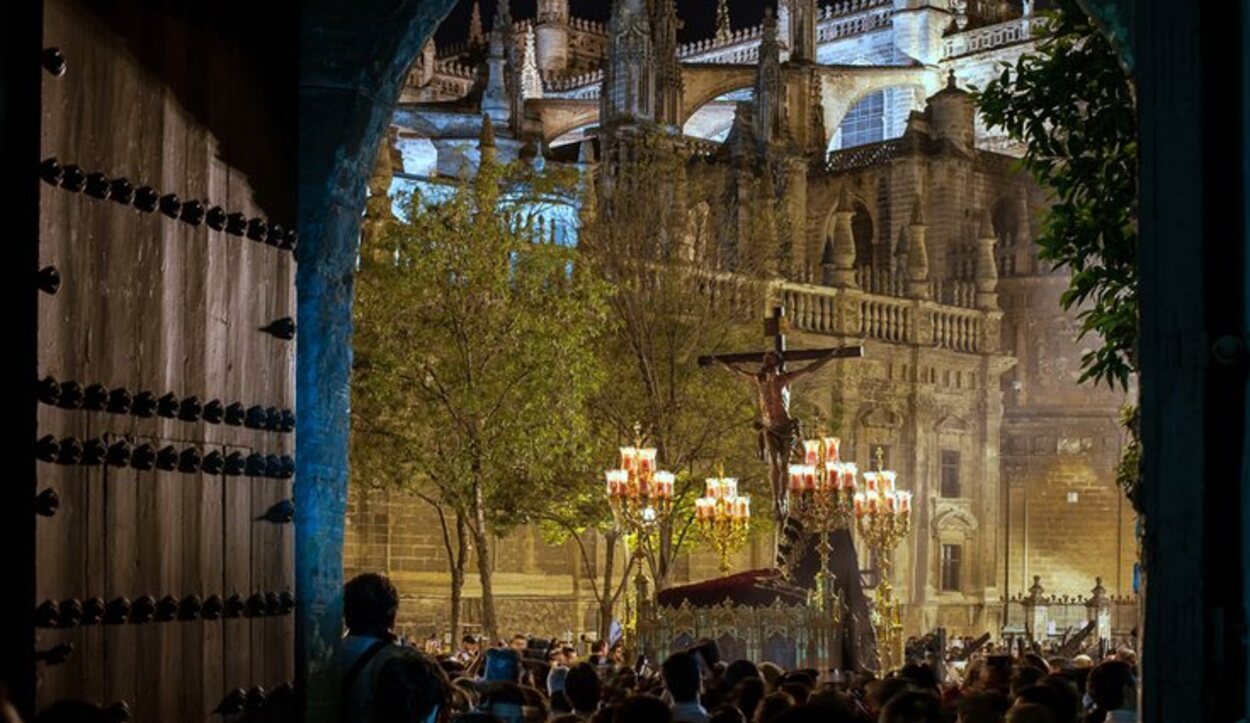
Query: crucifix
x: 779, y: 433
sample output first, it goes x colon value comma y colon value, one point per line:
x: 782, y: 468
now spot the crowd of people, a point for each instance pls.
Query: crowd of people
x: 508, y: 682
x: 521, y: 680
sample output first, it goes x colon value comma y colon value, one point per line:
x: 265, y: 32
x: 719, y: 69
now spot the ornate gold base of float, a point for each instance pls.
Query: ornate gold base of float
x: 790, y: 635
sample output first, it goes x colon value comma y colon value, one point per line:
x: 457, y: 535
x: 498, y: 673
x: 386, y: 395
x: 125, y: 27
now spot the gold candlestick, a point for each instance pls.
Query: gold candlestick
x: 723, y: 517
x: 883, y: 517
x: 820, y: 495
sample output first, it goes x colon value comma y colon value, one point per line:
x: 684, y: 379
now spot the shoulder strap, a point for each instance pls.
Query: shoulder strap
x: 350, y: 677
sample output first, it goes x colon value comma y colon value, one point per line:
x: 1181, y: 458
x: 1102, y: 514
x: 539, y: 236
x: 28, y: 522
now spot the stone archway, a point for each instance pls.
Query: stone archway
x: 354, y: 59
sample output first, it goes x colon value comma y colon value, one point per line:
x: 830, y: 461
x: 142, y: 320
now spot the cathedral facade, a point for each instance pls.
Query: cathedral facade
x: 901, y: 223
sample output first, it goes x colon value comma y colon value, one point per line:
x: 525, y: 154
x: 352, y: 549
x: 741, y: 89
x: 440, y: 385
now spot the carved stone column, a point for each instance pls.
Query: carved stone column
x: 844, y: 243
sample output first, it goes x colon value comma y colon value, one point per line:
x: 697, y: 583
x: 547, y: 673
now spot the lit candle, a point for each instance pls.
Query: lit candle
x: 796, y: 478
x: 746, y: 508
x: 646, y: 461
x: 891, y: 502
x: 872, y: 503
x: 888, y: 480
x: 809, y: 477
x: 848, y: 476
x: 906, y: 502
x: 870, y: 482
x: 811, y: 448
x: 731, y: 487
x: 617, y: 479
x: 859, y: 504
x: 833, y: 449
x: 833, y: 473
x: 629, y: 459
x: 663, y: 485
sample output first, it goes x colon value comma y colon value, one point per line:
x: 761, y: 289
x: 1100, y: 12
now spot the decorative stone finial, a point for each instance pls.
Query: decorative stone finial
x: 917, y: 213
x: 987, y: 226
x: 486, y: 139
x: 950, y: 80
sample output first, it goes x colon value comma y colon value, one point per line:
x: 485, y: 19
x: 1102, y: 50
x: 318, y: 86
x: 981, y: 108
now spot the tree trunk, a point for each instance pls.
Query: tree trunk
x: 607, y: 598
x: 458, y: 564
x: 481, y: 539
x: 490, y: 626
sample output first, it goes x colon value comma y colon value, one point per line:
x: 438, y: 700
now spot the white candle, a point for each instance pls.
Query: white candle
x: 811, y: 448
x: 833, y: 449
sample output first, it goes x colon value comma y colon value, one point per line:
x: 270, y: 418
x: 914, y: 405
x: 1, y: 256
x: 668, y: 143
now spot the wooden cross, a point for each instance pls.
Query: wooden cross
x: 775, y: 326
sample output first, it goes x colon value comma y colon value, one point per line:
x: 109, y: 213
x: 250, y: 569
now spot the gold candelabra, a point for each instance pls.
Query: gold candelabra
x: 883, y: 516
x: 640, y: 495
x: 821, y: 496
x: 723, y: 517
x: 641, y: 498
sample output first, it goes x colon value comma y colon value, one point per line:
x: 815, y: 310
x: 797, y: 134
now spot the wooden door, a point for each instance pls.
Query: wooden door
x: 164, y: 549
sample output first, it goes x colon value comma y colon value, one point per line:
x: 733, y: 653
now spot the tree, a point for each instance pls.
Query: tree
x: 672, y: 301
x: 1074, y: 108
x: 474, y: 361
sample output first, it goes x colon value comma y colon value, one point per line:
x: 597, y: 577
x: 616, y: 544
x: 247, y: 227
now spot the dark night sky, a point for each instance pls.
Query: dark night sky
x: 699, y: 16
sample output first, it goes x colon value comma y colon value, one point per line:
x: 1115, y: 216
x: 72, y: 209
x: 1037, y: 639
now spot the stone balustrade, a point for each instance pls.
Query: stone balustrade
x: 1017, y: 30
x: 871, y: 16
x: 895, y: 319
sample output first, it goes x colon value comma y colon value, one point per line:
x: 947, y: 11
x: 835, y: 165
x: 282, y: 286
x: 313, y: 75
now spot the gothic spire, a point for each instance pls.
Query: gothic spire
x: 503, y: 16
x: 723, y: 29
x: 476, y: 37
x: 804, y: 14
x: 531, y: 80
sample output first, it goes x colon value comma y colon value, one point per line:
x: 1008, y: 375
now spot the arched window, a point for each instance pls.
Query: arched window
x: 864, y: 122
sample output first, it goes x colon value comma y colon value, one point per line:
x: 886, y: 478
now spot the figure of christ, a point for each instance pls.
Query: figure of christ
x: 779, y: 433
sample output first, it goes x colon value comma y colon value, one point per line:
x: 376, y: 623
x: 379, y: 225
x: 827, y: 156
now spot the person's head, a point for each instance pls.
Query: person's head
x: 740, y: 670
x: 1049, y: 698
x: 1069, y: 696
x: 502, y: 664
x: 771, y: 362
x: 773, y: 705
x: 912, y: 706
x: 983, y: 708
x: 1036, y: 661
x: 469, y: 643
x: 582, y: 687
x: 642, y: 709
x: 727, y: 714
x: 410, y: 687
x: 73, y: 711
x: 1111, y: 686
x: 772, y: 674
x: 921, y: 676
x: 1082, y: 662
x: 599, y: 647
x: 883, y: 691
x: 1024, y: 676
x: 747, y: 694
x: 708, y: 651
x: 1029, y: 713
x: 570, y: 654
x: 797, y: 690
x: 370, y: 603
x: 519, y: 643
x: 505, y: 700
x: 681, y: 677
